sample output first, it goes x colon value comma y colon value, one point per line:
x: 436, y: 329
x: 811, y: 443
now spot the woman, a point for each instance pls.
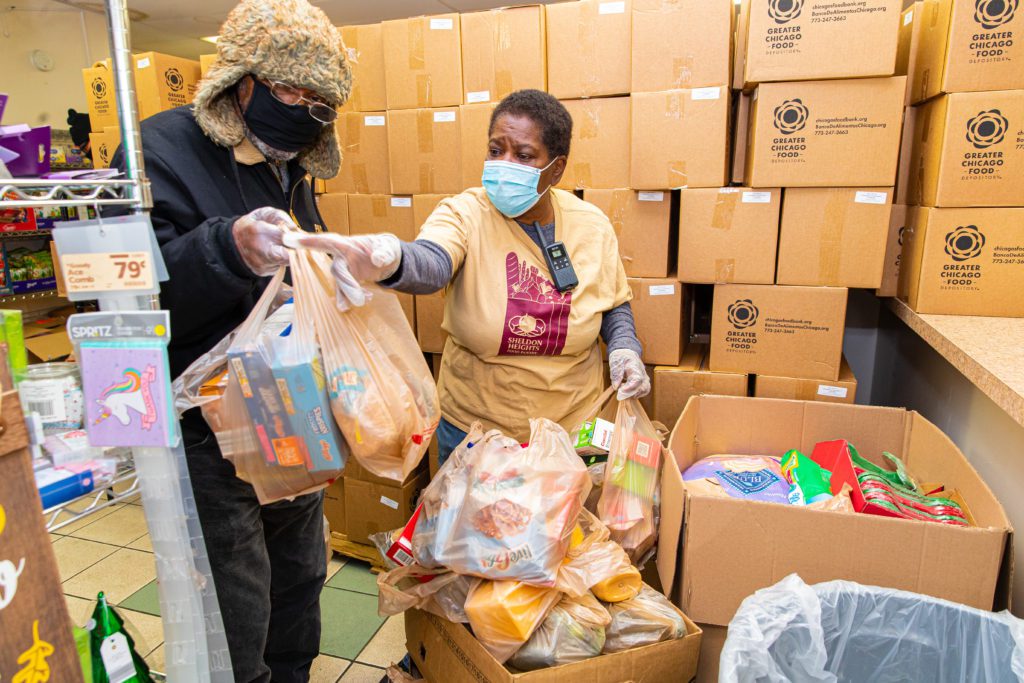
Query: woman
x: 517, y: 348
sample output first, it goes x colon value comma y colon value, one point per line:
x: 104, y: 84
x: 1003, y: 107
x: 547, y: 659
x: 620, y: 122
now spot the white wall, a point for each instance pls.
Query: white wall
x: 73, y: 39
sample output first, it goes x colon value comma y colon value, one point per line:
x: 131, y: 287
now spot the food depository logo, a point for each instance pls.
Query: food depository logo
x: 990, y: 43
x: 985, y: 130
x: 742, y: 315
x: 785, y: 11
x: 993, y: 13
x: 789, y: 117
x: 175, y: 81
x: 962, y: 245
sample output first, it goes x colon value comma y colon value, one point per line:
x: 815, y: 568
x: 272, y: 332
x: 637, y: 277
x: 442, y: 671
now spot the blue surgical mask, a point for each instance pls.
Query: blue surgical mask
x: 512, y: 187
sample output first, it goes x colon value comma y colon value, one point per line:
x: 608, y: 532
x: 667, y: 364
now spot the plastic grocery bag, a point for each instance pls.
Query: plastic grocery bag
x: 443, y: 594
x: 843, y: 631
x: 573, y: 631
x: 504, y: 614
x: 507, y: 512
x: 646, y: 619
x: 213, y: 384
x: 630, y: 489
x: 598, y: 564
x: 382, y: 392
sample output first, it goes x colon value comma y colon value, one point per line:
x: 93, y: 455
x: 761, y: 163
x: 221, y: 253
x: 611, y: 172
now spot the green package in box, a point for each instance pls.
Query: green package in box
x: 12, y: 334
x: 594, y: 437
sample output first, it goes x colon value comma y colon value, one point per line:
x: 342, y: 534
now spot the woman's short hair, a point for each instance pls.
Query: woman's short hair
x: 543, y: 109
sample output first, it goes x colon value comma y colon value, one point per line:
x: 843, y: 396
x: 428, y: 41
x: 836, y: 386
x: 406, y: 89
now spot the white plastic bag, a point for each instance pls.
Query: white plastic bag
x: 843, y: 631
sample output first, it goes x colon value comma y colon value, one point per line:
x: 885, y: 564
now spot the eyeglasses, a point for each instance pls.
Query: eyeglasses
x: 318, y: 109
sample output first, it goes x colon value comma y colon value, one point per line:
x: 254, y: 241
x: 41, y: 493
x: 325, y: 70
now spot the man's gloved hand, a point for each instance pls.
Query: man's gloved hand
x: 357, y: 259
x: 258, y: 235
x: 628, y: 373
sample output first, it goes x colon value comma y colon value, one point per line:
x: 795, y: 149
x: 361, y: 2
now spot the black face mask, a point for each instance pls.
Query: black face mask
x: 287, y: 127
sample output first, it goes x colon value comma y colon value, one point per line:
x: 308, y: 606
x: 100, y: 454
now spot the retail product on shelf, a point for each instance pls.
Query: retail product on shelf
x: 29, y: 266
x: 58, y: 486
x: 54, y: 392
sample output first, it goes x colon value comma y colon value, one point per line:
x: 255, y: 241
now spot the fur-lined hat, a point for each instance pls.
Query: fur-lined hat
x: 277, y: 40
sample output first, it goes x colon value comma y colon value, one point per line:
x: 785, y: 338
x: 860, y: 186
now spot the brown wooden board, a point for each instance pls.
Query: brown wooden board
x: 35, y: 631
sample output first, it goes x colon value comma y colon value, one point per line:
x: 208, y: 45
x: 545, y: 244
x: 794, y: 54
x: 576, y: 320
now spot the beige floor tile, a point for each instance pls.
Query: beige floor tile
x: 146, y: 630
x: 119, y: 528
x: 118, y: 575
x: 327, y: 669
x: 85, y: 521
x: 388, y: 646
x: 79, y: 609
x: 77, y: 554
x: 361, y: 673
x: 144, y: 543
x: 336, y: 563
x: 155, y: 659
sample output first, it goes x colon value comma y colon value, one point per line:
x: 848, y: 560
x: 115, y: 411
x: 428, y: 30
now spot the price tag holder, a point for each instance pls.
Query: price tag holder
x: 109, y: 256
x: 126, y: 379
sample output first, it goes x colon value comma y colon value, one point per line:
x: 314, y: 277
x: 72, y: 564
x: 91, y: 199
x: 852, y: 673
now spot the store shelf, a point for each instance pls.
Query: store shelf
x: 125, y: 485
x: 19, y: 193
x: 988, y: 351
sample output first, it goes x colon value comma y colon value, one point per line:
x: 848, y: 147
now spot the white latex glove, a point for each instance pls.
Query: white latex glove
x: 628, y: 373
x: 258, y: 236
x: 362, y: 258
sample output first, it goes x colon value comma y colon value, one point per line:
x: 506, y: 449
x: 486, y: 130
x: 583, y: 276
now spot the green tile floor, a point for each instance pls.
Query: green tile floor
x: 110, y: 551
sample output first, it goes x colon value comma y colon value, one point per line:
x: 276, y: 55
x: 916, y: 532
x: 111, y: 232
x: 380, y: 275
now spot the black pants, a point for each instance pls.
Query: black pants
x: 269, y: 566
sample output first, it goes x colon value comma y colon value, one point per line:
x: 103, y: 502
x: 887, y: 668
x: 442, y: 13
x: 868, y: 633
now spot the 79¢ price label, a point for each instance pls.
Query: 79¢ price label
x: 124, y: 271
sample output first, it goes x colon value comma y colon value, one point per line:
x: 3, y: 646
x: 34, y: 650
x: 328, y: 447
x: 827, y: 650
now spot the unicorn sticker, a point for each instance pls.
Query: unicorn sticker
x: 130, y: 393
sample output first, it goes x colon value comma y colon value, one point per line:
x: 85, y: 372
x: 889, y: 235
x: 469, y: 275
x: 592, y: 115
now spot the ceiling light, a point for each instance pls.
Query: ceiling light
x: 210, y: 39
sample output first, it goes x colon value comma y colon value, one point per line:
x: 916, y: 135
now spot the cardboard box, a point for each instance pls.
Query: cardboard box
x: 445, y: 651
x: 100, y: 97
x: 319, y: 186
x: 739, y: 42
x: 475, y: 120
x: 741, y: 126
x: 599, y: 154
x: 842, y: 390
x: 423, y: 62
x: 164, y: 82
x: 679, y: 138
x: 363, y: 137
x: 503, y: 50
x: 588, y: 48
x: 103, y: 144
x: 334, y: 506
x: 371, y: 507
x: 833, y: 236
x: 370, y: 213
x: 968, y: 47
x: 819, y: 39
x: 205, y: 61
x: 423, y: 145
x: 825, y: 133
x: 712, y: 642
x: 893, y: 251
x: 662, y: 313
x: 963, y: 261
x: 905, y: 166
x: 643, y: 225
x: 364, y: 48
x: 423, y: 205
x: 728, y: 234
x: 333, y: 209
x: 429, y: 319
x: 672, y: 386
x: 683, y: 44
x: 720, y: 564
x: 968, y: 150
x: 772, y: 330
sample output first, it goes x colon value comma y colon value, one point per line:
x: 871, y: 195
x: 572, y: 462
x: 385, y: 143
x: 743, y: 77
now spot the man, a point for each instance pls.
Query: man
x: 227, y: 175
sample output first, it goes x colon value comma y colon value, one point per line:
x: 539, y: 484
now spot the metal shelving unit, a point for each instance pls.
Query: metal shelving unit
x: 27, y: 193
x: 123, y: 486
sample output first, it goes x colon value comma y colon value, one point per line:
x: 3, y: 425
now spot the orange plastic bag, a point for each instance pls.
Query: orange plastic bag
x: 382, y: 392
x: 504, y: 614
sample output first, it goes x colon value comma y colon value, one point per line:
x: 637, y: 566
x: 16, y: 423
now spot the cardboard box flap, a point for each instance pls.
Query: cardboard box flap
x: 49, y: 347
x: 925, y: 439
x: 870, y: 429
x: 673, y: 497
x: 734, y: 547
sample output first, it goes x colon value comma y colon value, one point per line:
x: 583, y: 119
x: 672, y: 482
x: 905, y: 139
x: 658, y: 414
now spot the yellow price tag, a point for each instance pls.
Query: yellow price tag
x: 112, y: 272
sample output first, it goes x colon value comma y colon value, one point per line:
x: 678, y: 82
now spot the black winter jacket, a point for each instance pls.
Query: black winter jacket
x: 199, y: 191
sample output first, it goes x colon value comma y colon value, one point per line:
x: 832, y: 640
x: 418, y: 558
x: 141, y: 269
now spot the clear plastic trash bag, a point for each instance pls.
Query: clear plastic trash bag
x: 843, y: 631
x: 572, y: 632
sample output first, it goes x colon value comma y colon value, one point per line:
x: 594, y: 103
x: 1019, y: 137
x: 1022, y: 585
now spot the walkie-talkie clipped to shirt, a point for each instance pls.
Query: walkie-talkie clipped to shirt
x: 562, y: 273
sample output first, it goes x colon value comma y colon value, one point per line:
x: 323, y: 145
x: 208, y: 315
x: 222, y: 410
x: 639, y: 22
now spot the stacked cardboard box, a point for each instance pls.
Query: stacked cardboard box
x: 960, y: 250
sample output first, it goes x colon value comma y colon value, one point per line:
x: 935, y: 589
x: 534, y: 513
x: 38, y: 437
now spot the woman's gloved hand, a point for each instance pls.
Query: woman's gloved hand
x: 258, y: 236
x: 357, y: 259
x: 628, y: 373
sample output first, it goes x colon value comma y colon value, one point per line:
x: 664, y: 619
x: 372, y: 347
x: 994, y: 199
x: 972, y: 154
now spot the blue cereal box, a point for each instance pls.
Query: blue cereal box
x: 266, y: 407
x: 304, y: 392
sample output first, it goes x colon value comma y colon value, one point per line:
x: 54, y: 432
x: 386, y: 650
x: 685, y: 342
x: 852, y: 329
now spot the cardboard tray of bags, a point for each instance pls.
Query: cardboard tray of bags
x: 446, y: 652
x: 728, y: 548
